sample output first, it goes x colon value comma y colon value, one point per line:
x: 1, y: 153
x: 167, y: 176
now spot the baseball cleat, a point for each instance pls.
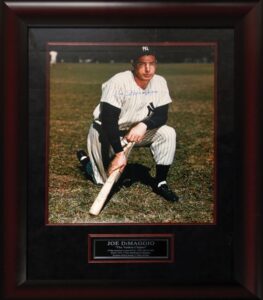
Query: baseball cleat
x: 86, y: 164
x: 166, y: 193
x: 82, y: 157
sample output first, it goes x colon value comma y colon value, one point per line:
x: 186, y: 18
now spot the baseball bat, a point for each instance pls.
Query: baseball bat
x: 105, y: 190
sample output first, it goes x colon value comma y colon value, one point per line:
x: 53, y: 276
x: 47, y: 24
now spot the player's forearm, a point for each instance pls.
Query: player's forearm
x: 109, y: 118
x: 158, y: 118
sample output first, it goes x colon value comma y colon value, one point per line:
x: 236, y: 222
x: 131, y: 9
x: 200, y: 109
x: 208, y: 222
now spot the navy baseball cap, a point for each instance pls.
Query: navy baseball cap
x: 141, y: 51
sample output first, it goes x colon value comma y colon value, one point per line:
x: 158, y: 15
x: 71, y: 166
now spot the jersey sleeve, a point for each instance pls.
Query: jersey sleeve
x: 112, y: 93
x: 157, y: 118
x: 165, y: 97
x: 109, y: 121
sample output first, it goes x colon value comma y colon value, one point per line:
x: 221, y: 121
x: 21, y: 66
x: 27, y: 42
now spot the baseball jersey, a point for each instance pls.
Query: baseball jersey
x: 135, y: 103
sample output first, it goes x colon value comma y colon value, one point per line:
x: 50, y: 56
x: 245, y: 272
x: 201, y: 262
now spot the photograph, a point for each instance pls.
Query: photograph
x: 131, y: 132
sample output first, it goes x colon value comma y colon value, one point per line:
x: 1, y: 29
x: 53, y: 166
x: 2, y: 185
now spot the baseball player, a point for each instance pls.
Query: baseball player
x: 133, y: 107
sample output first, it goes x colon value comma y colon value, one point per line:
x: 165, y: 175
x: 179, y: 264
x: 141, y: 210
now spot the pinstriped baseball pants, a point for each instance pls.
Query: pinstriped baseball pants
x: 161, y: 141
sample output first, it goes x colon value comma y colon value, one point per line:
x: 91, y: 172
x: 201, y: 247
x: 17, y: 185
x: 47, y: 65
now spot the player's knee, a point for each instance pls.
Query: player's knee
x: 172, y: 132
x: 168, y: 132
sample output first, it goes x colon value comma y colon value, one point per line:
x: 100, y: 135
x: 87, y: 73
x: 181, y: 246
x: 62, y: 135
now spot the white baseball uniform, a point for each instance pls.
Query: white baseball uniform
x: 135, y: 104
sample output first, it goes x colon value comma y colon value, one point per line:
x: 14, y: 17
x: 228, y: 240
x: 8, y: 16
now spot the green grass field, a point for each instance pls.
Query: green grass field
x: 75, y: 90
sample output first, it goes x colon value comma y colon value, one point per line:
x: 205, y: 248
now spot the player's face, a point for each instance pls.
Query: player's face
x: 145, y: 68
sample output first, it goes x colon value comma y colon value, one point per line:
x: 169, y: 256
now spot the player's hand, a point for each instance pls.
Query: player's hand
x: 136, y: 134
x: 118, y: 162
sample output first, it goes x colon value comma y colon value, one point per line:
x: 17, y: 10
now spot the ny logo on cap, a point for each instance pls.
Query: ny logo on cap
x: 145, y: 48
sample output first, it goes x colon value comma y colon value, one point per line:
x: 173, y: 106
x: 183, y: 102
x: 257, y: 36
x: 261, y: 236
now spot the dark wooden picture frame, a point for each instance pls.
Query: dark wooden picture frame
x: 246, y: 19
